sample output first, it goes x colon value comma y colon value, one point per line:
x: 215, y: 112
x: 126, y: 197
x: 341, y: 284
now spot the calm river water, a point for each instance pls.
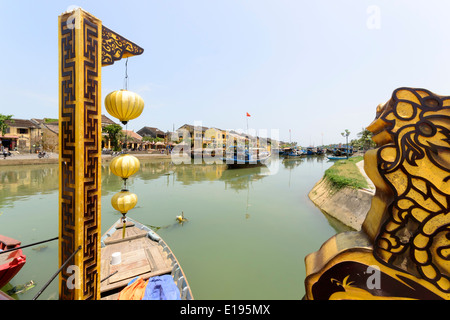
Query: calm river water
x: 248, y: 233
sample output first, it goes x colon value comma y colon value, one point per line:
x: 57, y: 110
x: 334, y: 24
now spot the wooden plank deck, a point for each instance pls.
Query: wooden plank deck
x: 140, y: 256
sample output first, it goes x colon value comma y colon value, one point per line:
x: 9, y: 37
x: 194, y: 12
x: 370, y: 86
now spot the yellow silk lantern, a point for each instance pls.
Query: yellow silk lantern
x: 124, y: 165
x: 124, y: 105
x: 124, y: 201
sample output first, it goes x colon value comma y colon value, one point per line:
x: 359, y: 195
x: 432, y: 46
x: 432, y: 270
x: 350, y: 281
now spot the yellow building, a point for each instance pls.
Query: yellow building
x: 214, y: 138
x: 21, y: 135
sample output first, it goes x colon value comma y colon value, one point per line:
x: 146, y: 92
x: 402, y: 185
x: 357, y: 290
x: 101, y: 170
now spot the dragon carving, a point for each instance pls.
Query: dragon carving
x: 406, y: 233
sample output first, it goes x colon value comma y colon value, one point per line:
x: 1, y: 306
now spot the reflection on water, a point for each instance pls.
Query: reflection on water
x: 246, y: 237
x: 20, y: 181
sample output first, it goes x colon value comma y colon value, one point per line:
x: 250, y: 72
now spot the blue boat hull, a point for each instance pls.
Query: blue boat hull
x: 337, y: 158
x: 235, y: 163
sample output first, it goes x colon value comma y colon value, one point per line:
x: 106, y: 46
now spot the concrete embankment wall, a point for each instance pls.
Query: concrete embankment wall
x: 350, y: 206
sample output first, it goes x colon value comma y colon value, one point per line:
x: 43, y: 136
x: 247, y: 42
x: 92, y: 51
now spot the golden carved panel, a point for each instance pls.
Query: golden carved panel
x: 116, y: 47
x: 407, y: 229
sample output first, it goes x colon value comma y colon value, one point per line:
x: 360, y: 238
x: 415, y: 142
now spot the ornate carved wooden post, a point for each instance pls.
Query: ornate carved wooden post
x: 84, y: 46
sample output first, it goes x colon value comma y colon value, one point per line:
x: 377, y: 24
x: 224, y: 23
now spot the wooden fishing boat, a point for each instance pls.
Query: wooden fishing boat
x: 10, y: 262
x: 239, y: 157
x: 143, y: 253
x: 236, y: 163
x: 336, y: 158
x: 292, y: 153
x: 295, y: 154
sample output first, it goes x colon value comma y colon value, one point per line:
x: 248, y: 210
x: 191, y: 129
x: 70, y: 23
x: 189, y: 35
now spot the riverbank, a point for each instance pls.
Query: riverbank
x: 348, y: 205
x: 31, y: 159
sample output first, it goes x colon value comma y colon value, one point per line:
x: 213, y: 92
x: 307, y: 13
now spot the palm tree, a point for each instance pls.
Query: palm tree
x: 365, y: 138
x: 345, y: 134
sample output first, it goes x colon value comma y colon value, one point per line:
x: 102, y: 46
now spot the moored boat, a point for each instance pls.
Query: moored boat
x: 343, y: 151
x: 336, y: 158
x: 295, y: 153
x: 240, y: 157
x: 140, y: 253
x: 292, y: 152
x: 10, y: 262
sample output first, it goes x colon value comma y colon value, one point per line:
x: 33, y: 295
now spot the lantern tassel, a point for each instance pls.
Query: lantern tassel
x: 124, y: 220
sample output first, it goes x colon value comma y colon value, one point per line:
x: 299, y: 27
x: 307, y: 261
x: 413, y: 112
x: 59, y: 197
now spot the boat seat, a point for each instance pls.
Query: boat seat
x: 9, y: 242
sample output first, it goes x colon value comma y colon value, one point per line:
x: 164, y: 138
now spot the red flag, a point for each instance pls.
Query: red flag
x: 248, y: 115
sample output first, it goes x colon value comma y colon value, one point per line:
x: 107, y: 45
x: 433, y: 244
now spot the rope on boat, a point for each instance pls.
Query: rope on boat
x: 109, y: 276
x: 28, y: 245
x: 56, y: 273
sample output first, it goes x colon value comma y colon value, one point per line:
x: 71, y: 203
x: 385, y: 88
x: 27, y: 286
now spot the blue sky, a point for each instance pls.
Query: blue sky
x: 314, y: 67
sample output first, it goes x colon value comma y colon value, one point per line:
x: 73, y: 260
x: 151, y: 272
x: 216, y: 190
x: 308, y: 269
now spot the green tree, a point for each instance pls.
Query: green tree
x: 3, y: 124
x: 114, y: 134
x: 365, y: 139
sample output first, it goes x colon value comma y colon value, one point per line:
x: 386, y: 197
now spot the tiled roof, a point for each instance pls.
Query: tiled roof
x: 106, y: 121
x: 53, y: 126
x: 21, y: 123
x: 153, y: 129
x: 132, y: 134
x: 191, y: 127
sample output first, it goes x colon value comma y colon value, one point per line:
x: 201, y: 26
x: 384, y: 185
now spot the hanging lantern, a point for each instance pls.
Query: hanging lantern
x: 124, y: 201
x: 124, y: 165
x: 124, y: 105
